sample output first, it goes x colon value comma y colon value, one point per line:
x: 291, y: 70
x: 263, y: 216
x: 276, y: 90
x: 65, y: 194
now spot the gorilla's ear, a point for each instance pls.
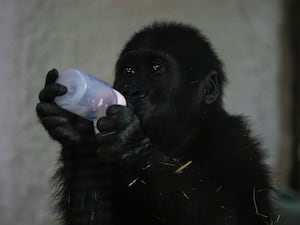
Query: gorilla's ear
x: 211, y: 88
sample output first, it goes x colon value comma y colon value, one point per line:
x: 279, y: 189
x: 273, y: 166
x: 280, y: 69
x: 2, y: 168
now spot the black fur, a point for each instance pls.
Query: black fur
x: 131, y: 172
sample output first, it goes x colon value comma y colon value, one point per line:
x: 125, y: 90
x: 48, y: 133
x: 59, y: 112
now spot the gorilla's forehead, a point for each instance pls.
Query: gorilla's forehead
x: 145, y: 53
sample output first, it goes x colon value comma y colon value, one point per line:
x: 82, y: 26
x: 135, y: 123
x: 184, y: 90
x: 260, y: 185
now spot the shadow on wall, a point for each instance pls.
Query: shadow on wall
x: 288, y: 201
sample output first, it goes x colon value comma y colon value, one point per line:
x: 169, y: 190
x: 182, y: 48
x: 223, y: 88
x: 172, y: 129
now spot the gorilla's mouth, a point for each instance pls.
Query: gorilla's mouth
x: 138, y: 100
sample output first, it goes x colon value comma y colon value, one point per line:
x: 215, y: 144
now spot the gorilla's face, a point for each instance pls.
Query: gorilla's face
x: 149, y: 80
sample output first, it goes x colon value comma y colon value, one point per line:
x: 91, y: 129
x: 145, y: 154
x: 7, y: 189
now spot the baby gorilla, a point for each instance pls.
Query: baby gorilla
x: 173, y: 156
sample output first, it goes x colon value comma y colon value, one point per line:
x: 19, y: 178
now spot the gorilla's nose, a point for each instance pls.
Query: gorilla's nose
x: 132, y: 91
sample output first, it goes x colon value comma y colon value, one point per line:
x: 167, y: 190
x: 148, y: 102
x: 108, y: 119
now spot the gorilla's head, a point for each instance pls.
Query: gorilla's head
x: 169, y: 73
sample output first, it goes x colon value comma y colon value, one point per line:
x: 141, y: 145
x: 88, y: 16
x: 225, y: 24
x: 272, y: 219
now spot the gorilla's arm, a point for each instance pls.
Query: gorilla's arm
x: 80, y: 179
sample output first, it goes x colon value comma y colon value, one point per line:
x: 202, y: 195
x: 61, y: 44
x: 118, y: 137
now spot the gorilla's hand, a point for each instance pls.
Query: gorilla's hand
x: 120, y: 135
x: 63, y: 126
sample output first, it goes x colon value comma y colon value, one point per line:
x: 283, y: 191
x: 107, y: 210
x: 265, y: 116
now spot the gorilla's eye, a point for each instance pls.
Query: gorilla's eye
x: 128, y: 70
x: 158, y: 68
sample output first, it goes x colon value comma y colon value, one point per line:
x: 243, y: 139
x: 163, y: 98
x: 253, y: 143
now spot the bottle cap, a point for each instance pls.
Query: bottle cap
x: 120, y: 98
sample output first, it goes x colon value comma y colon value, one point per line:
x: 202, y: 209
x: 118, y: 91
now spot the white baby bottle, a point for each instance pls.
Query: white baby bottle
x: 87, y: 96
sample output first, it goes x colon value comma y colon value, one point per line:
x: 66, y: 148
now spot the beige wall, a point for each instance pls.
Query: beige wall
x: 39, y: 35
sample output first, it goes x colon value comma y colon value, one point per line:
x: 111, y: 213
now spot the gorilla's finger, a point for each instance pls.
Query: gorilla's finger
x: 115, y: 110
x: 51, y: 91
x: 51, y: 122
x: 84, y: 125
x: 49, y: 109
x: 122, y: 115
x: 106, y: 124
x: 51, y: 77
x: 106, y: 138
x: 65, y: 135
